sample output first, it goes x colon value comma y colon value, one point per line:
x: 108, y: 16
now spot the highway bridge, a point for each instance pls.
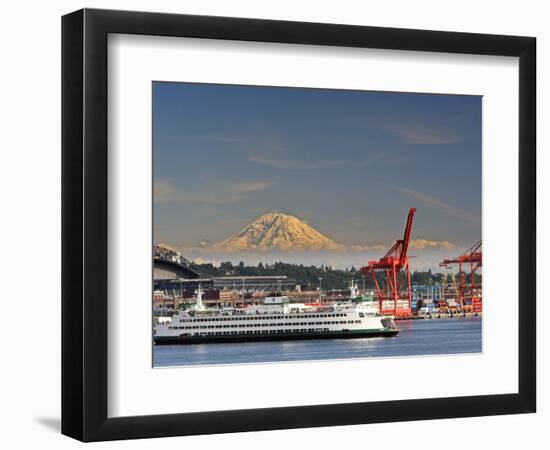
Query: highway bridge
x: 173, y: 273
x: 171, y: 265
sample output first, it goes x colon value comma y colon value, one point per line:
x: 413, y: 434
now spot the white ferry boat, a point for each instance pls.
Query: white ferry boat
x: 275, y: 319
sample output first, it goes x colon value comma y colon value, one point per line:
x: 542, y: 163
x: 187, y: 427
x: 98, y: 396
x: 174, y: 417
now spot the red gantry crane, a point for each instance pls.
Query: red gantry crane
x: 469, y: 292
x: 394, y: 298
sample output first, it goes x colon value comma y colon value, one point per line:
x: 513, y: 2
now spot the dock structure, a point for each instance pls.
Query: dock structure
x: 469, y: 291
x: 256, y: 283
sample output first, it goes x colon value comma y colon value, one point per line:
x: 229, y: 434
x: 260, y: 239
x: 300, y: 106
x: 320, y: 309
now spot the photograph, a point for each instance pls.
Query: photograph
x: 303, y: 224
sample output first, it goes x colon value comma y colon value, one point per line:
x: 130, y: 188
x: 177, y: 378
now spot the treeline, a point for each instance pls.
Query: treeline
x: 308, y: 276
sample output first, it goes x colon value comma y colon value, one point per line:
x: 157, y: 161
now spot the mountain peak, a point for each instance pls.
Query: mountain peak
x: 277, y: 230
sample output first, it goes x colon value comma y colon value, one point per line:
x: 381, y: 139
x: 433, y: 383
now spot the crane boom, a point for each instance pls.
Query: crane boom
x: 392, y: 298
x: 468, y: 289
x: 407, y: 234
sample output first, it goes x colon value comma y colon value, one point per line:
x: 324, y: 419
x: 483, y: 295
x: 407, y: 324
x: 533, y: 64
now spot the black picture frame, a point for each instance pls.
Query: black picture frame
x: 84, y: 224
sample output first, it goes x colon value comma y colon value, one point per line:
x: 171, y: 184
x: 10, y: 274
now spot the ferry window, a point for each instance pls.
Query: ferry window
x: 361, y: 314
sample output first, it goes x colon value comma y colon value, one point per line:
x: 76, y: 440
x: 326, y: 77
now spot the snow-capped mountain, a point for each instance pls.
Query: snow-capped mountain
x: 278, y: 231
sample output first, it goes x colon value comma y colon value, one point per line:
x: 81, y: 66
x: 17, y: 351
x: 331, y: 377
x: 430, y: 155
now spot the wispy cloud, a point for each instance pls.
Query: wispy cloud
x: 251, y: 186
x: 422, y: 135
x: 225, y: 192
x: 294, y: 164
x: 446, y: 207
x: 227, y: 139
x: 367, y: 248
x: 165, y: 192
x: 423, y: 244
x: 414, y: 130
x: 382, y: 157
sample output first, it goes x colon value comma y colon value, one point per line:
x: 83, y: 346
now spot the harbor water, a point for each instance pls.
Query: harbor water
x: 416, y: 338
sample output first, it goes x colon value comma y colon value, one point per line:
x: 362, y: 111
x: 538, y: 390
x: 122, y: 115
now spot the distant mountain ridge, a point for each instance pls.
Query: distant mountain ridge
x: 277, y: 231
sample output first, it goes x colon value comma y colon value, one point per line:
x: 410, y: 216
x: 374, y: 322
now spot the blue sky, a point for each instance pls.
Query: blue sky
x: 350, y: 163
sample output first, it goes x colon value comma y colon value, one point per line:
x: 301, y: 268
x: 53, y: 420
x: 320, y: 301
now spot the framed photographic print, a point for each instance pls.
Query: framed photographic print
x: 273, y: 224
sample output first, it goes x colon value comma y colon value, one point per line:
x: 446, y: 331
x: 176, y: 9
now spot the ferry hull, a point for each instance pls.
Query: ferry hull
x: 351, y: 334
